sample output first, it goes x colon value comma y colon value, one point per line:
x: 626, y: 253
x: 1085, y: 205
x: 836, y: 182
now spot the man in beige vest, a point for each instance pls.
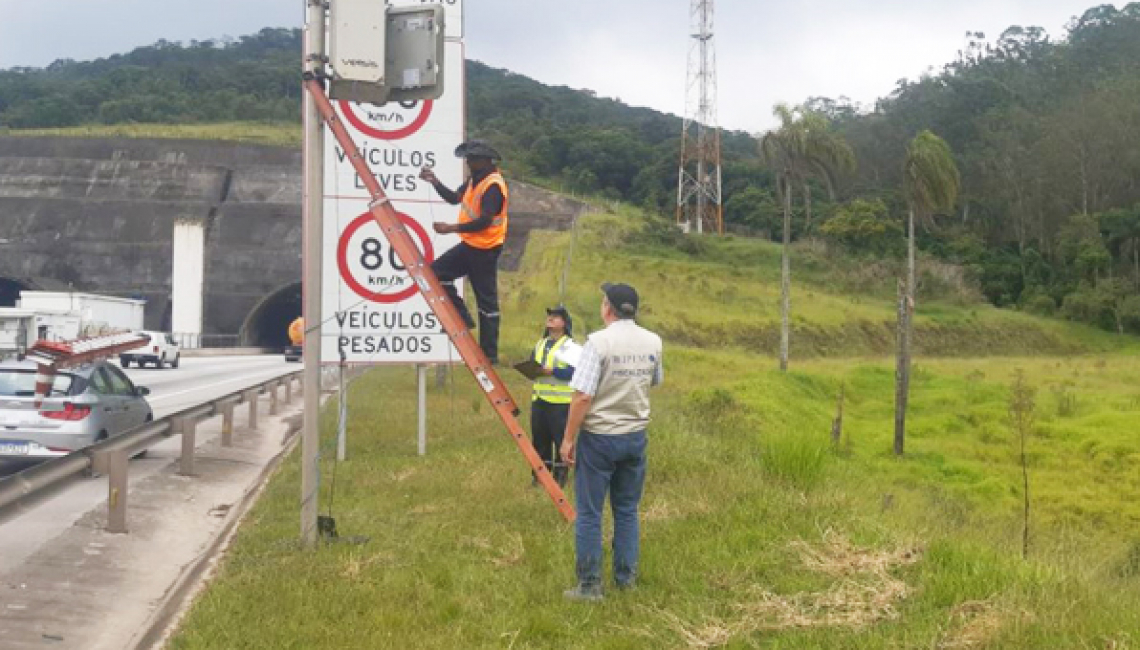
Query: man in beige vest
x: 605, y: 438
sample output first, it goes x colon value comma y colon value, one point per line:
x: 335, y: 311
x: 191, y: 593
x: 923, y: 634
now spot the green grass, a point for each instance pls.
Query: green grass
x: 756, y: 533
x: 281, y: 134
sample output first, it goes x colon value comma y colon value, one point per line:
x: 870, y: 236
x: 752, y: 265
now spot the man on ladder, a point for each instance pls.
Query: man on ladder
x: 482, y: 227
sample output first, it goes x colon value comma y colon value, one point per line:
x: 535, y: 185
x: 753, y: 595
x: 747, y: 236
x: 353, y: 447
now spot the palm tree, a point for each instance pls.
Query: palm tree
x: 802, y: 148
x: 931, y: 183
x: 829, y: 158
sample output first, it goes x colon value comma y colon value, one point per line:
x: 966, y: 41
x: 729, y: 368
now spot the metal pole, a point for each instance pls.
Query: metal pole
x: 314, y: 143
x: 251, y: 399
x: 342, y: 421
x: 228, y: 426
x: 117, y: 468
x: 187, y: 428
x: 421, y: 379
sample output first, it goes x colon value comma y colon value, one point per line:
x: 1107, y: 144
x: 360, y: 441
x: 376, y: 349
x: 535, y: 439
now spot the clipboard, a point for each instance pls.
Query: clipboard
x: 529, y: 368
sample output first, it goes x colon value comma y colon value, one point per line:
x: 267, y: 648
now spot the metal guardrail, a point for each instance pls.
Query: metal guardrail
x: 112, y: 456
x: 194, y: 341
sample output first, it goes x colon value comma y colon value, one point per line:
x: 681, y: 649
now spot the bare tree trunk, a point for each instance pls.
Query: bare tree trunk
x: 1084, y: 182
x: 910, y: 270
x: 902, y: 369
x: 807, y: 208
x: 837, y: 423
x: 786, y: 278
x: 1025, y: 500
x: 1022, y: 410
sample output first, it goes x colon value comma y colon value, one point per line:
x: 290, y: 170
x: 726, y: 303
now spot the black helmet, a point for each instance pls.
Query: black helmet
x: 562, y: 312
x: 477, y: 149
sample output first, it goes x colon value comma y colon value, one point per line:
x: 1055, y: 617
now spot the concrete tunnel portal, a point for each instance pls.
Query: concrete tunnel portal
x: 267, y: 325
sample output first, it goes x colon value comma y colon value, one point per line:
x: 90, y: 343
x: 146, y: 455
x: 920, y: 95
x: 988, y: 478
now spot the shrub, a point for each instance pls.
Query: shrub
x: 1086, y: 305
x: 1035, y: 301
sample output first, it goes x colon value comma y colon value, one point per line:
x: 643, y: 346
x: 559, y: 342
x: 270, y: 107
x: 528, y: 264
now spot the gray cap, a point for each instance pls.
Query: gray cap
x: 477, y: 149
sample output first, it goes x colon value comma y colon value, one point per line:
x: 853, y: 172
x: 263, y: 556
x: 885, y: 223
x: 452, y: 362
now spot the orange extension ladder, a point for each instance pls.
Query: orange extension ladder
x: 51, y: 356
x: 428, y: 285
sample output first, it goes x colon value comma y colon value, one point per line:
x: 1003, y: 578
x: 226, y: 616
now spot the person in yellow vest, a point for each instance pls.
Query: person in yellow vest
x: 482, y: 229
x: 557, y: 353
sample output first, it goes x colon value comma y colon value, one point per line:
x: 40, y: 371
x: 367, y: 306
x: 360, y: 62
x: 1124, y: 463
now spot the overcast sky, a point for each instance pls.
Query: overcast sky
x: 768, y: 50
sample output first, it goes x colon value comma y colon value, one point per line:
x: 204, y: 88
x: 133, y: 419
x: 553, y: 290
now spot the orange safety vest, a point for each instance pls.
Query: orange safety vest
x: 495, y: 234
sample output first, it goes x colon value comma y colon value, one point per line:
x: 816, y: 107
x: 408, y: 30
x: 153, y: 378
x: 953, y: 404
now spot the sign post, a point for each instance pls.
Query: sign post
x: 312, y: 215
x: 421, y: 421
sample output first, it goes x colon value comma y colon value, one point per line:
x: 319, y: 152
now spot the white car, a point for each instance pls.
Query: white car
x: 162, y: 350
x: 87, y: 404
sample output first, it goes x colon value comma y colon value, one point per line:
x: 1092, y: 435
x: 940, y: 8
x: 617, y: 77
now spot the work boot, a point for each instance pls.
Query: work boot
x: 584, y: 593
x: 561, y: 472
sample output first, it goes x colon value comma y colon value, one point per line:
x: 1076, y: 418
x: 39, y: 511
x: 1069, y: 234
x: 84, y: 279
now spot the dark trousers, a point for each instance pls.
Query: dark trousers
x: 547, y: 427
x: 613, y: 464
x: 481, y: 267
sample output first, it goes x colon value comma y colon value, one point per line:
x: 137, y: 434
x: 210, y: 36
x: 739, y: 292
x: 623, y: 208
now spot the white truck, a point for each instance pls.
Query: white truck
x: 17, y: 331
x: 89, y: 314
x: 65, y: 316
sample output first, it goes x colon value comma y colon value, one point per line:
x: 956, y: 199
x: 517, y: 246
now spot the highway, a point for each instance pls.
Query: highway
x: 172, y: 390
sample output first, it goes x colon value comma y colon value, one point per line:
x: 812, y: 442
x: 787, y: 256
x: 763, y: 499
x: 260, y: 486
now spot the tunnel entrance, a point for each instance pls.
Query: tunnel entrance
x: 267, y: 325
x: 10, y: 291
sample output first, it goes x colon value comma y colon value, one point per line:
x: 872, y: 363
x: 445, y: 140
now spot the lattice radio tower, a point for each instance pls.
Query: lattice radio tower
x: 699, y: 206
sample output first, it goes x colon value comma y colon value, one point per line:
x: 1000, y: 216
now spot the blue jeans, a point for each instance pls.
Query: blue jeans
x: 614, y: 464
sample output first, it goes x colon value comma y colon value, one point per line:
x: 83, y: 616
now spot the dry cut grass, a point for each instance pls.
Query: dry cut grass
x: 865, y: 592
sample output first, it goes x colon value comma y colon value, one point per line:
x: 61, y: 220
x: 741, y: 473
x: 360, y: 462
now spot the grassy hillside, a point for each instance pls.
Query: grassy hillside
x: 283, y: 134
x: 757, y: 533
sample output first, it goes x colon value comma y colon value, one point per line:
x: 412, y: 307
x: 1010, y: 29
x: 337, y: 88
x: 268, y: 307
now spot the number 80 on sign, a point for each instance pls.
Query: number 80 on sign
x: 369, y: 265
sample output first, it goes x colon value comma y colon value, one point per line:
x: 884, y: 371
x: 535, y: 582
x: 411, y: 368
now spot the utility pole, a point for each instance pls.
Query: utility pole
x: 699, y: 205
x: 313, y: 217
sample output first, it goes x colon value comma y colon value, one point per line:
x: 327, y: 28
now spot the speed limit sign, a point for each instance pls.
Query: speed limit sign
x: 373, y: 311
x: 369, y: 265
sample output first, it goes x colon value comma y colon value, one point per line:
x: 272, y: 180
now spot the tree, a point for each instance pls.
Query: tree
x: 930, y: 184
x: 780, y: 149
x: 865, y: 226
x: 827, y: 157
x: 802, y: 148
x: 1123, y: 229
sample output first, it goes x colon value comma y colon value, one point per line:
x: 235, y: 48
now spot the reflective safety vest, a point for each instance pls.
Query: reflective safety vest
x: 495, y: 234
x: 548, y: 388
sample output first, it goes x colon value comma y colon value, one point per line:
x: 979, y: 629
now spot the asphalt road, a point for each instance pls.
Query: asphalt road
x: 197, y: 380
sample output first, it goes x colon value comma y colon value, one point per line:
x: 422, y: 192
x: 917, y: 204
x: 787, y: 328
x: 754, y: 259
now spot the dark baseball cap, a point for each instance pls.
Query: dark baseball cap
x: 564, y: 314
x: 622, y: 297
x: 477, y: 149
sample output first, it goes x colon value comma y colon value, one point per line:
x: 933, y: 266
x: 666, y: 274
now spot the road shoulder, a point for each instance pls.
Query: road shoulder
x: 89, y: 589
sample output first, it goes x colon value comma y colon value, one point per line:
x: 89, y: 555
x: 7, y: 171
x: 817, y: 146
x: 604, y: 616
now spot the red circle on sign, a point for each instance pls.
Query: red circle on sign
x: 346, y: 273
x: 354, y: 119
